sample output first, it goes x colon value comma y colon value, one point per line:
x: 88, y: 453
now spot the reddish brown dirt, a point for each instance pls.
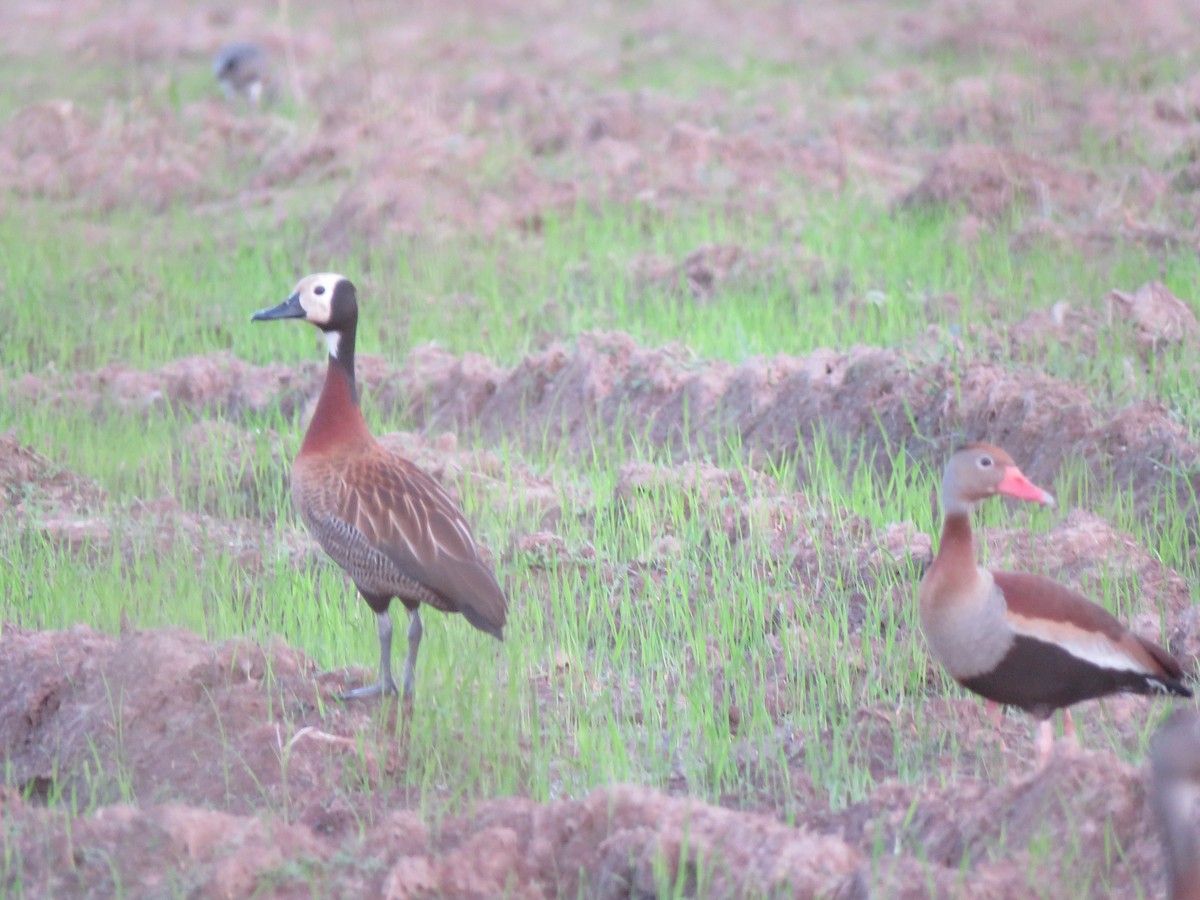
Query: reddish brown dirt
x: 989, y: 182
x: 209, y: 736
x: 597, y: 384
x: 261, y: 789
x: 426, y: 124
x: 423, y: 124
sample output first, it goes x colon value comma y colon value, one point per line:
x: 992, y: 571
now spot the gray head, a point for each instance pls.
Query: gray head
x: 243, y: 68
x: 978, y: 471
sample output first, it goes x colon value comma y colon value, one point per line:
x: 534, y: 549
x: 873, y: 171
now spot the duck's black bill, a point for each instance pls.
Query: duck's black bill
x: 288, y: 309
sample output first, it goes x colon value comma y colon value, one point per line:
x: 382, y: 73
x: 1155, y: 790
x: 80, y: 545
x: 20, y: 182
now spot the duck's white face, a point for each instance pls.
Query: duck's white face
x: 315, y: 296
x: 327, y: 300
x: 313, y: 300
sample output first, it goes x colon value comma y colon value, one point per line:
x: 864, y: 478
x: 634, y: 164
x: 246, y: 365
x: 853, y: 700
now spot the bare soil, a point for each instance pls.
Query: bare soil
x: 205, y: 736
x: 223, y: 763
x: 208, y: 736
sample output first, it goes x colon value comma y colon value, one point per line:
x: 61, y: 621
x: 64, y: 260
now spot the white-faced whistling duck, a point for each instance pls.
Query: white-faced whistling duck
x: 387, y: 523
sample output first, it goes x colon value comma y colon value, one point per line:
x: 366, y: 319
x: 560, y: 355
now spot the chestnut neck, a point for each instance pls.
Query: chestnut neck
x: 337, y: 421
x: 955, y: 565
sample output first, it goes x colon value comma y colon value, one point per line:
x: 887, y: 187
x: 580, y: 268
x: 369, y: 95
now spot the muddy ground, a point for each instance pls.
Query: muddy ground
x: 212, y: 735
x: 207, y: 740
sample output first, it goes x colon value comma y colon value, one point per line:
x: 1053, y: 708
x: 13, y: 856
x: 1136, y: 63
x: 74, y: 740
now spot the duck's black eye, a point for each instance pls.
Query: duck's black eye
x: 319, y: 290
x: 985, y: 462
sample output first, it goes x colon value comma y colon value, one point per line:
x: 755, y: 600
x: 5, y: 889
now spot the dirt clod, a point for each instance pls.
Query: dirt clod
x: 1157, y: 315
x: 989, y: 182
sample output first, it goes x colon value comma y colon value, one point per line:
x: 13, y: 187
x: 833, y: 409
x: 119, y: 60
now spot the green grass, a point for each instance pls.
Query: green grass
x: 654, y: 645
x: 139, y: 298
x: 635, y: 701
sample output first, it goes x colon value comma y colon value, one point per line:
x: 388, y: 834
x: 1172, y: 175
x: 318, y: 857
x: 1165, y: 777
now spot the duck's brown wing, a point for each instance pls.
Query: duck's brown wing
x: 396, y: 531
x: 1048, y: 611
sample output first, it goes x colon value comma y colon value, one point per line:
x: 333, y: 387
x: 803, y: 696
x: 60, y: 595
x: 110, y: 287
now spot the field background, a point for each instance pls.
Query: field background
x: 687, y: 303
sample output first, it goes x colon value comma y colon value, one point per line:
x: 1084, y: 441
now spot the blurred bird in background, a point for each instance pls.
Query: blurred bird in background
x: 243, y: 69
x: 1175, y: 795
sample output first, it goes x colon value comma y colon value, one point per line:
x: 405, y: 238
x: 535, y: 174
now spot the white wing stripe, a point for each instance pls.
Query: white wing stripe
x: 1087, y: 646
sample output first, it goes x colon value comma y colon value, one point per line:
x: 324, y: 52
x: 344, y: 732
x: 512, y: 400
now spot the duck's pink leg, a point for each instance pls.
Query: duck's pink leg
x: 995, y: 712
x: 1045, y: 743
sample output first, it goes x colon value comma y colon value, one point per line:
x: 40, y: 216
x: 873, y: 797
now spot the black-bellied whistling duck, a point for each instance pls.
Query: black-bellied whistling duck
x: 1019, y: 639
x: 1175, y: 793
x: 381, y: 518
